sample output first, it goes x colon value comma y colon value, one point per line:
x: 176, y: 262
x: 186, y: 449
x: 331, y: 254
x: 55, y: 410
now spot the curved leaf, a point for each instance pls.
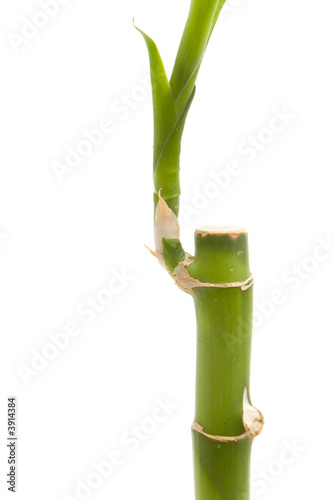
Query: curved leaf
x: 165, y: 113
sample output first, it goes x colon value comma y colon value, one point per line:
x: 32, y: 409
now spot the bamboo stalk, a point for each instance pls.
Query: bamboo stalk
x: 224, y: 319
x: 217, y: 277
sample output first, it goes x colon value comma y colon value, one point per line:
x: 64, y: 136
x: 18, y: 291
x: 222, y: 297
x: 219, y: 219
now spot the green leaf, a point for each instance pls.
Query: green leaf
x: 171, y: 101
x: 173, y: 253
x: 165, y: 113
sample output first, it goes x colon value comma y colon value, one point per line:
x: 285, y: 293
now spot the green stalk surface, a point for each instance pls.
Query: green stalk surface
x: 224, y: 328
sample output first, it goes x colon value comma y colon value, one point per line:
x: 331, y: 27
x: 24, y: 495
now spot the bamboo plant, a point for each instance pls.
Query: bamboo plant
x: 217, y: 277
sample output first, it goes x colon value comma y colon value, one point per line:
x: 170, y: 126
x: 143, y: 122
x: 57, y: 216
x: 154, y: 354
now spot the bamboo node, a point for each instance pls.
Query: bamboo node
x: 250, y: 433
x: 186, y: 283
x: 253, y: 421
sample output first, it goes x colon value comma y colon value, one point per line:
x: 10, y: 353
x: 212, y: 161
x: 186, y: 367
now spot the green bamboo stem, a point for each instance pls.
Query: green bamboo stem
x: 217, y: 277
x: 221, y: 470
x: 224, y: 319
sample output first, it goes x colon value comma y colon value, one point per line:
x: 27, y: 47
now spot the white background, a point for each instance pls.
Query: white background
x: 62, y: 240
